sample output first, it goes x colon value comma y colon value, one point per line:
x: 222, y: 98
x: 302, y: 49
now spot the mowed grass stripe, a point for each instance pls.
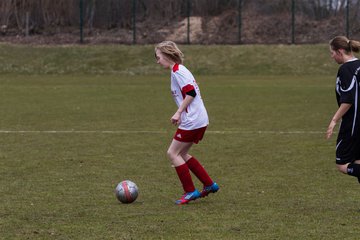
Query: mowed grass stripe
x: 152, y: 132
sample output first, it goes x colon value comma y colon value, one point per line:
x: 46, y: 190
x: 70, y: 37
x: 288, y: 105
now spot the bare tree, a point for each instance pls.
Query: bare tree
x: 6, y: 10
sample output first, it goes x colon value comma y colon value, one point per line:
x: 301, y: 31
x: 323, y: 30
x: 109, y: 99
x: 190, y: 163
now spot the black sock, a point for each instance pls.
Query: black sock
x: 353, y: 169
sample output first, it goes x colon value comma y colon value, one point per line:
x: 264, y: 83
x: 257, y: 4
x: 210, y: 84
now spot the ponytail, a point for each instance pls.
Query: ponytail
x: 354, y: 46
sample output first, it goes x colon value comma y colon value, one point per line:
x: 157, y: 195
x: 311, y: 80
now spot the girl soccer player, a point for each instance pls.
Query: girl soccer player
x: 348, y: 98
x: 191, y: 118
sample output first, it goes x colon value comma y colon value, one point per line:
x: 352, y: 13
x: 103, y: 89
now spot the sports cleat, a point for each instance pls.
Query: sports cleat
x: 213, y: 188
x: 187, y: 197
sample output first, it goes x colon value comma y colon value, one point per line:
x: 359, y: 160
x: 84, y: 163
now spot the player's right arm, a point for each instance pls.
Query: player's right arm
x: 344, y: 107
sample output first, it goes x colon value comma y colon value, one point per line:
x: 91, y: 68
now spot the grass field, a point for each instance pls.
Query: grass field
x: 68, y: 137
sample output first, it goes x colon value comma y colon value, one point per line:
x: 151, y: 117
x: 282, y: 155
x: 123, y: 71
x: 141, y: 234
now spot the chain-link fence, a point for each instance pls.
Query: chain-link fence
x: 183, y: 21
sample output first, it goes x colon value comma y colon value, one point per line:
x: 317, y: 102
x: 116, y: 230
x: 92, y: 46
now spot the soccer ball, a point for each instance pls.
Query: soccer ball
x: 126, y: 191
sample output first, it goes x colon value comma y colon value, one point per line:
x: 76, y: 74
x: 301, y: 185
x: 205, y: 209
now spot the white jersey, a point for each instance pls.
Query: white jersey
x: 195, y: 115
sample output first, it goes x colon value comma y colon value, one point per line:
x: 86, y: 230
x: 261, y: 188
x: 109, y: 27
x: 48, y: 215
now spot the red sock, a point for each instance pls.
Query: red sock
x: 185, y: 178
x: 199, y: 171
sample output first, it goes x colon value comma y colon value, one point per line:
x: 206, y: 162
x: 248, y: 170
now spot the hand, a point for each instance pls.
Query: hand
x: 330, y: 129
x: 176, y: 118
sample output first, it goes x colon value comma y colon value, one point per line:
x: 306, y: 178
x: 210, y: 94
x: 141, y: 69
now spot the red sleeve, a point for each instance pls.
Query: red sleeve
x: 187, y: 88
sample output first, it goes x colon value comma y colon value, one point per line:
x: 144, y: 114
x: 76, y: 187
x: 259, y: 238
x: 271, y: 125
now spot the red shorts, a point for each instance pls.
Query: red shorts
x: 190, y: 135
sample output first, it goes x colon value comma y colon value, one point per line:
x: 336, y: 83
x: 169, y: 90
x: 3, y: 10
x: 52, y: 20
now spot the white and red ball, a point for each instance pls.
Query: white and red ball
x: 126, y: 191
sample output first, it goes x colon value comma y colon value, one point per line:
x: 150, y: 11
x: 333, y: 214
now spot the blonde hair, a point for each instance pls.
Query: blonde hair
x: 171, y: 51
x: 342, y: 42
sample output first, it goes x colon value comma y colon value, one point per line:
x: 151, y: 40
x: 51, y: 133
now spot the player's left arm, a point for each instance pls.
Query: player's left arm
x: 189, y: 97
x: 344, y: 107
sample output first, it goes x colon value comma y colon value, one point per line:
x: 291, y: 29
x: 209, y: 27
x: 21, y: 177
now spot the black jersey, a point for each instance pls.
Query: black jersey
x: 347, y: 91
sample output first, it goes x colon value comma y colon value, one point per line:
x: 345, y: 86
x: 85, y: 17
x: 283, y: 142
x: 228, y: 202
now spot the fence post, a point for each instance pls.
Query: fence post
x: 134, y: 20
x: 293, y: 22
x: 347, y: 18
x: 27, y: 24
x: 188, y: 20
x: 239, y: 20
x: 81, y: 7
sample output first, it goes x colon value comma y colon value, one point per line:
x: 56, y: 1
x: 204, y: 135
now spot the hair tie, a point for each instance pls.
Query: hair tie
x: 349, y: 44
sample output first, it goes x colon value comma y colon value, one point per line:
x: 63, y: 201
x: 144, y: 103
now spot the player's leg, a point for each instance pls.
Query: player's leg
x: 194, y: 165
x: 346, y: 151
x: 182, y: 170
x: 199, y: 171
x: 209, y: 185
x: 176, y: 152
x: 342, y: 167
x: 353, y: 169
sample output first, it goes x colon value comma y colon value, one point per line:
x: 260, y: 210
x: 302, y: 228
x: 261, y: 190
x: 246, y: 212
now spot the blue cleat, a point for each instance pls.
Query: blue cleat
x: 187, y: 197
x: 213, y: 188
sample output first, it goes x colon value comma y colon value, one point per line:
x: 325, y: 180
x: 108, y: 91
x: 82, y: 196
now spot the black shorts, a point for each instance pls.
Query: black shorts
x: 347, y: 149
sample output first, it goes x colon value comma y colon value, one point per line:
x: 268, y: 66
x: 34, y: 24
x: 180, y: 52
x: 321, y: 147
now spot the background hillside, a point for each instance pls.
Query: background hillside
x: 246, y: 60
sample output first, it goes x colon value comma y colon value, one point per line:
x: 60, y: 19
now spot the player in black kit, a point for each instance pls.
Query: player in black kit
x: 348, y: 98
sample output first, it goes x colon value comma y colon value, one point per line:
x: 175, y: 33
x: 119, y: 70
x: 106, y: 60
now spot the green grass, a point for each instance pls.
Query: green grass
x: 139, y: 60
x: 265, y: 147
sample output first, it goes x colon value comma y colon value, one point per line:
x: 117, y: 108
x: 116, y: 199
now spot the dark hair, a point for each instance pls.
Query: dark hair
x: 342, y: 42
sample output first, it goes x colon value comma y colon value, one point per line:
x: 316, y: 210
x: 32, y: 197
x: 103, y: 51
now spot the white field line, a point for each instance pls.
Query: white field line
x: 265, y: 132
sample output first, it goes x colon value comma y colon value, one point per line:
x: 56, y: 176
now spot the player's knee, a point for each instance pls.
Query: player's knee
x: 171, y: 154
x: 342, y: 168
x: 186, y: 157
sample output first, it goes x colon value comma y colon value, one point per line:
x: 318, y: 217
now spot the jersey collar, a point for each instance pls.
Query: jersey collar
x: 351, y: 60
x: 175, y: 67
